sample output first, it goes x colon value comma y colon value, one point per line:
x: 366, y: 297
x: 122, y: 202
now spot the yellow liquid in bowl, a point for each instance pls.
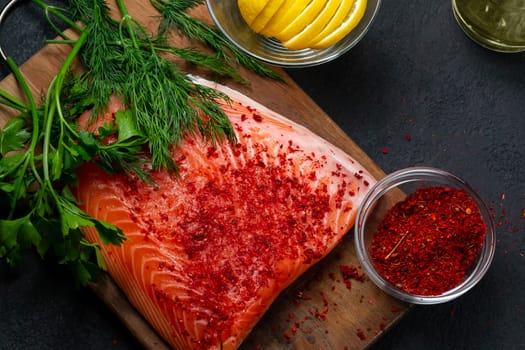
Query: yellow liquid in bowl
x: 495, y: 24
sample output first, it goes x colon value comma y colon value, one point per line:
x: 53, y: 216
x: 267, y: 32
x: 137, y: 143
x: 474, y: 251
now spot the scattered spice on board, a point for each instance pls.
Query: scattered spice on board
x: 425, y: 244
x: 385, y: 150
x: 361, y: 334
x: 350, y: 273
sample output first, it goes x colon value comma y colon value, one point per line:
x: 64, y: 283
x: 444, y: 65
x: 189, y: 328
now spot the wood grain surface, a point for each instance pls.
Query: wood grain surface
x: 319, y: 311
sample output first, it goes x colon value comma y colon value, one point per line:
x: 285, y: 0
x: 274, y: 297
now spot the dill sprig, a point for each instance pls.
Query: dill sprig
x: 122, y: 59
x: 174, y: 18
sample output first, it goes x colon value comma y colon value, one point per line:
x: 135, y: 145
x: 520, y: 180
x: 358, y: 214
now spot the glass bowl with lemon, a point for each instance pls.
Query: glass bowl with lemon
x: 294, y: 33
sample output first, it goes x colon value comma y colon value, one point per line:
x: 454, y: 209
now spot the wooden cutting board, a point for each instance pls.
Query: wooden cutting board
x: 320, y: 310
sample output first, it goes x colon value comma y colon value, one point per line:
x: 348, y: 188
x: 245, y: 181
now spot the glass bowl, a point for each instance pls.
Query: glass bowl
x: 228, y: 19
x: 393, y: 189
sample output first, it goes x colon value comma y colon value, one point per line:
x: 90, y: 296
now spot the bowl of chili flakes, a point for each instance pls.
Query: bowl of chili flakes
x: 430, y: 247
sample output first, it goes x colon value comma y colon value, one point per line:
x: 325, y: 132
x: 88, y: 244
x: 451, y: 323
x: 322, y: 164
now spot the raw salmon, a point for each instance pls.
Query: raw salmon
x: 209, y: 250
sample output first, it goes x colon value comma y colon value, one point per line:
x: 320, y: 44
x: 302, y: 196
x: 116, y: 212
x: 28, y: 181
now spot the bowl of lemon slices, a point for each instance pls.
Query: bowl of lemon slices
x: 294, y: 33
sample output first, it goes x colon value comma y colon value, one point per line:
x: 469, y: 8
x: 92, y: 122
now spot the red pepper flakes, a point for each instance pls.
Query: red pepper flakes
x: 325, y: 300
x: 502, y: 220
x: 287, y: 336
x: 348, y: 284
x: 257, y: 117
x: 384, y: 150
x: 350, y: 273
x: 425, y: 244
x: 408, y: 137
x: 361, y: 334
x: 318, y: 314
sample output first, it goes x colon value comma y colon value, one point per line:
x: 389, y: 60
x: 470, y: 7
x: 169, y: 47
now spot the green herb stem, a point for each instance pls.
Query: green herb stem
x: 55, y: 106
x: 11, y: 101
x: 34, y: 139
x: 58, y: 13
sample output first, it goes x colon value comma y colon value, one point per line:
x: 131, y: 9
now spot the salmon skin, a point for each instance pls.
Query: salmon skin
x: 209, y: 250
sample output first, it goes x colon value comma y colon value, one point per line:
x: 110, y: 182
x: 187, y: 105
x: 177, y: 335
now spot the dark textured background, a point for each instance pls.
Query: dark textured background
x: 415, y: 73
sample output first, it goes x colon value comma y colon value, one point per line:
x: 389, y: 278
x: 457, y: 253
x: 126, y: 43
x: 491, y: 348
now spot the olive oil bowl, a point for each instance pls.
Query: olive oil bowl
x: 424, y: 236
x: 228, y: 19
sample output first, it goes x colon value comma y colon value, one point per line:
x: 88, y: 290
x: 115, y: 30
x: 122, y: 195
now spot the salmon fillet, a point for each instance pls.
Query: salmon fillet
x: 209, y: 250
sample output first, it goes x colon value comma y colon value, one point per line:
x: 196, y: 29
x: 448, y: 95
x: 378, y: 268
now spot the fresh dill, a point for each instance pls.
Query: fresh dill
x: 174, y: 18
x: 43, y: 146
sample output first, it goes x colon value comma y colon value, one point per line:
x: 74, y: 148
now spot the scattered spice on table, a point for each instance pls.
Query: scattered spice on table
x: 503, y: 221
x: 426, y: 243
x: 452, y: 311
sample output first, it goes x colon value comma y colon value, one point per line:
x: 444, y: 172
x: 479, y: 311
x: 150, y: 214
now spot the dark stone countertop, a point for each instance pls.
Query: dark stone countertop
x: 414, y: 73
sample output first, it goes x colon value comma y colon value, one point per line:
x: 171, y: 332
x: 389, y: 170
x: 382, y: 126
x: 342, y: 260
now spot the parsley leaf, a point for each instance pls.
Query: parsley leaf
x: 13, y: 136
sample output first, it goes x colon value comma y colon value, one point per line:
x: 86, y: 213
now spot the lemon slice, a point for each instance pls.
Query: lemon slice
x: 249, y: 9
x: 266, y: 15
x: 302, y: 19
x: 352, y: 20
x: 301, y: 40
x: 284, y: 16
x: 342, y: 12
